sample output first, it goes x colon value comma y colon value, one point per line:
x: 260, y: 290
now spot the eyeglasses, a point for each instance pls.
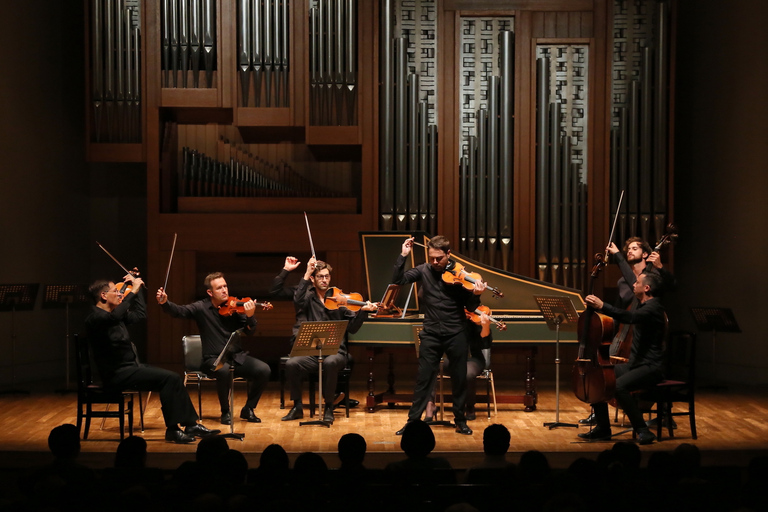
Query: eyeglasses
x: 323, y: 277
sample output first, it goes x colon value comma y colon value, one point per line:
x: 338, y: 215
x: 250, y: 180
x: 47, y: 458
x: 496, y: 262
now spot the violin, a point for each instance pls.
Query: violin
x: 335, y: 298
x: 234, y: 305
x: 594, y: 378
x: 667, y: 238
x: 474, y: 316
x: 126, y: 287
x: 455, y: 273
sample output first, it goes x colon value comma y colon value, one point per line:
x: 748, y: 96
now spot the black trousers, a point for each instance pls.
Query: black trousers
x: 628, y: 380
x: 298, y: 368
x: 431, y: 349
x: 255, y: 371
x: 174, y: 398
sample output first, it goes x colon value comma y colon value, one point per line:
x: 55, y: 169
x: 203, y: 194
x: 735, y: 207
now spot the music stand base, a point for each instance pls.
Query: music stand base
x: 316, y: 422
x: 232, y: 435
x: 555, y: 424
x: 441, y: 423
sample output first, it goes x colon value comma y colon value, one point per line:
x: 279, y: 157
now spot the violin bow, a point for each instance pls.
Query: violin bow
x: 311, y: 245
x: 615, y: 218
x: 170, y: 260
x: 114, y: 259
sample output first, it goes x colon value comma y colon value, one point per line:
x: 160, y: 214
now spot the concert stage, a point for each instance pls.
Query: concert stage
x: 730, y: 422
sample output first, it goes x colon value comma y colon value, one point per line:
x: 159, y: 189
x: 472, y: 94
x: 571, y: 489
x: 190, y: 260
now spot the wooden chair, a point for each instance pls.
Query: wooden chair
x: 193, y: 367
x: 90, y: 394
x: 679, y: 386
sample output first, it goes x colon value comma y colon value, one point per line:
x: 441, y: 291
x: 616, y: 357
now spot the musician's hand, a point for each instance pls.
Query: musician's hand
x: 249, y: 308
x: 612, y: 249
x: 594, y: 302
x: 370, y: 306
x: 655, y: 260
x: 161, y: 296
x: 479, y: 287
x: 291, y: 263
x: 310, y: 268
x: 136, y: 282
x: 407, y: 246
x: 485, y: 320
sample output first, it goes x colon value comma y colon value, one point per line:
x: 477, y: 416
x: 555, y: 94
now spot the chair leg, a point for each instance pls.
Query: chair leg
x: 200, y: 399
x: 121, y: 409
x: 141, y: 410
x: 692, y: 416
x: 88, y: 412
x: 282, y: 385
x: 493, y: 392
x: 346, y: 395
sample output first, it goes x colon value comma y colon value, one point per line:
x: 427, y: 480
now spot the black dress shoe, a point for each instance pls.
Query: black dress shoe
x: 589, y: 420
x: 353, y: 403
x: 470, y: 414
x: 296, y: 413
x: 175, y: 435
x: 462, y: 428
x: 597, y: 434
x: 328, y: 416
x: 247, y: 414
x: 645, y: 436
x: 226, y: 418
x: 199, y: 430
x: 400, y: 432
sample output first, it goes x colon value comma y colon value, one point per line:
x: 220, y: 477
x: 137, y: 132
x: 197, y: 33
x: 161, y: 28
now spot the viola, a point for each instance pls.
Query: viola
x: 455, y: 273
x: 594, y: 379
x: 335, y: 298
x: 234, y: 305
x: 474, y: 316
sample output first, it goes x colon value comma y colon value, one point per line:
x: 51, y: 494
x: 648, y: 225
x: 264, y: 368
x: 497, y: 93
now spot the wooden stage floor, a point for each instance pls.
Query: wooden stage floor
x: 731, y: 424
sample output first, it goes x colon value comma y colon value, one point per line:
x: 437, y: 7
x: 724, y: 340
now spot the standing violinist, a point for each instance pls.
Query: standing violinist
x: 444, y: 330
x: 635, y: 258
x: 309, y: 303
x: 115, y: 354
x: 644, y: 368
x: 479, y: 338
x: 215, y: 330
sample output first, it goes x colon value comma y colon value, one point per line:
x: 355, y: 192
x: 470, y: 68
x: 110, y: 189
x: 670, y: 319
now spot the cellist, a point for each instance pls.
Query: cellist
x: 632, y: 261
x: 645, y: 365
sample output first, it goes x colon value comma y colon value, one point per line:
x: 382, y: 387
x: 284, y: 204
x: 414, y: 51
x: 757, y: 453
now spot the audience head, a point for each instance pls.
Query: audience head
x: 627, y: 454
x: 209, y: 449
x: 274, y: 458
x: 496, y: 439
x: 351, y: 449
x: 688, y: 458
x: 534, y: 465
x: 64, y: 441
x: 418, y: 440
x: 131, y: 453
x: 232, y: 466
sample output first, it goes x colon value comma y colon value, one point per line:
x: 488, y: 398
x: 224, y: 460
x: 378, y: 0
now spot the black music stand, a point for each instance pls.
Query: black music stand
x: 312, y: 339
x: 559, y: 314
x: 226, y: 357
x: 16, y: 297
x: 61, y: 296
x: 715, y: 320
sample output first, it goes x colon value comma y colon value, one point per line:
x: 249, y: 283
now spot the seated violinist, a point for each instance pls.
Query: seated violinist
x: 215, y: 330
x: 644, y: 368
x: 309, y: 302
x: 116, y: 307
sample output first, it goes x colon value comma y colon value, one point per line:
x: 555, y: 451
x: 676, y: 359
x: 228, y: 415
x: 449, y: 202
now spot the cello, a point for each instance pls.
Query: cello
x: 594, y: 380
